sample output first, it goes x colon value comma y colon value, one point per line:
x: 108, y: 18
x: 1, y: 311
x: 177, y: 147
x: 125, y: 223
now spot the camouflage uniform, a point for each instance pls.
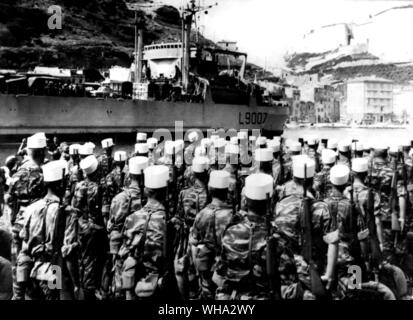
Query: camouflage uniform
x: 191, y: 201
x: 112, y: 184
x: 295, y: 277
x: 91, y: 233
x: 205, y: 239
x: 233, y: 186
x: 39, y: 246
x: 142, y: 249
x: 290, y: 188
x: 382, y: 176
x: 124, y: 204
x: 105, y: 164
x: 26, y: 186
x: 322, y: 184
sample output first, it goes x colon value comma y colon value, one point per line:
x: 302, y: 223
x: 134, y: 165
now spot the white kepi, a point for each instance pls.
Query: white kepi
x: 339, y: 175
x: 303, y: 167
x: 138, y: 164
x: 53, y: 171
x: 156, y: 177
x: 89, y: 165
x: 258, y: 185
x: 360, y: 165
x: 219, y: 179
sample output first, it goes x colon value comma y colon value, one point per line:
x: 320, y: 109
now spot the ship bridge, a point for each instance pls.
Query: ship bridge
x: 163, y: 58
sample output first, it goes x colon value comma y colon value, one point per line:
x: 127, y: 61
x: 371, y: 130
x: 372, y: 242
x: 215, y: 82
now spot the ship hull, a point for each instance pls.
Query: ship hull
x: 21, y: 115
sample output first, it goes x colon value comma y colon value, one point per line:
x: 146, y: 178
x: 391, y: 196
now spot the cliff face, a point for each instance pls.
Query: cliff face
x: 94, y: 34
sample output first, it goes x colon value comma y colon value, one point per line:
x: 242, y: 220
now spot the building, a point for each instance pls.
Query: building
x: 326, y: 104
x: 370, y: 100
x: 403, y: 102
x: 228, y: 45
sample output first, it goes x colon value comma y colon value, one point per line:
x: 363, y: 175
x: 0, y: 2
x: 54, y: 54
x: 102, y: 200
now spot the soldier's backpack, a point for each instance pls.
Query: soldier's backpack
x: 27, y: 184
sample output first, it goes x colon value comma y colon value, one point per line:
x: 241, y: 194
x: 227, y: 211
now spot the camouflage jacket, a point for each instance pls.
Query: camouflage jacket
x: 208, y: 228
x: 241, y: 269
x: 38, y: 232
x: 290, y: 188
x: 191, y: 201
x: 322, y: 184
x: 123, y: 204
x: 105, y: 164
x: 87, y: 202
x: 233, y: 191
x: 288, y: 221
x: 26, y: 184
x: 112, y: 184
x: 382, y: 176
x: 144, y: 239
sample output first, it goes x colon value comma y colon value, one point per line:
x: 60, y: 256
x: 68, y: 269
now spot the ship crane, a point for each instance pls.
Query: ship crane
x: 188, y: 14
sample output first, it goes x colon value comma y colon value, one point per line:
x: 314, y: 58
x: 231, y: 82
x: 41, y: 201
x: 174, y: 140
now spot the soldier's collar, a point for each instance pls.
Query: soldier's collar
x: 155, y: 204
x: 219, y: 203
x: 255, y: 218
x: 51, y: 197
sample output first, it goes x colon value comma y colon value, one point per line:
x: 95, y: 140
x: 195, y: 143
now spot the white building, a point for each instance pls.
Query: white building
x: 403, y: 101
x: 370, y: 100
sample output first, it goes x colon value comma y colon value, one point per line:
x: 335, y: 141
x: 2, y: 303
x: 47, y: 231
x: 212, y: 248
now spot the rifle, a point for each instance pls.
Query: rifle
x: 355, y: 247
x: 142, y: 188
x: 281, y: 161
x: 272, y: 258
x: 60, y: 225
x: 237, y: 200
x: 174, y: 178
x: 375, y: 258
x: 317, y: 287
x: 169, y: 286
x: 395, y: 224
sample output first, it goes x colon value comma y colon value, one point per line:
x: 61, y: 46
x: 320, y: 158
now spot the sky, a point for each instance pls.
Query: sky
x: 267, y: 29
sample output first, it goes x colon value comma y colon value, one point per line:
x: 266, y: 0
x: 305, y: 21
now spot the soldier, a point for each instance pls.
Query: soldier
x: 298, y: 282
x: 106, y: 159
x: 144, y: 240
x: 141, y: 137
x: 360, y: 195
x: 87, y: 202
x: 152, y: 144
x: 232, y: 167
x: 322, y: 184
x: 293, y: 187
x: 75, y: 173
x: 41, y: 235
x: 332, y: 144
x: 191, y: 201
x: 141, y: 150
x: 193, y: 138
x: 85, y: 150
x: 241, y: 268
x: 26, y: 187
x: 358, y: 149
x: 339, y: 208
x: 382, y: 177
x: 344, y: 153
x: 219, y: 160
x: 125, y: 203
x: 205, y: 237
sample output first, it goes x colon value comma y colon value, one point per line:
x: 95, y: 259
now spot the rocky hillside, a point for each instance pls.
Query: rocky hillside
x: 94, y: 34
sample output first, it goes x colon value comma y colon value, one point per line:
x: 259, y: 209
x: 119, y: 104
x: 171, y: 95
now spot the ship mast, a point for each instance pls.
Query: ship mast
x: 139, y: 25
x: 188, y: 15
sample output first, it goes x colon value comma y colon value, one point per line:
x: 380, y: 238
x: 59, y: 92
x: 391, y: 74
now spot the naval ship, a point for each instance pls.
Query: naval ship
x: 202, y: 87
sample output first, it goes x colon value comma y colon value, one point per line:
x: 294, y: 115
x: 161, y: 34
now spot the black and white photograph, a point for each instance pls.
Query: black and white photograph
x: 199, y: 156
